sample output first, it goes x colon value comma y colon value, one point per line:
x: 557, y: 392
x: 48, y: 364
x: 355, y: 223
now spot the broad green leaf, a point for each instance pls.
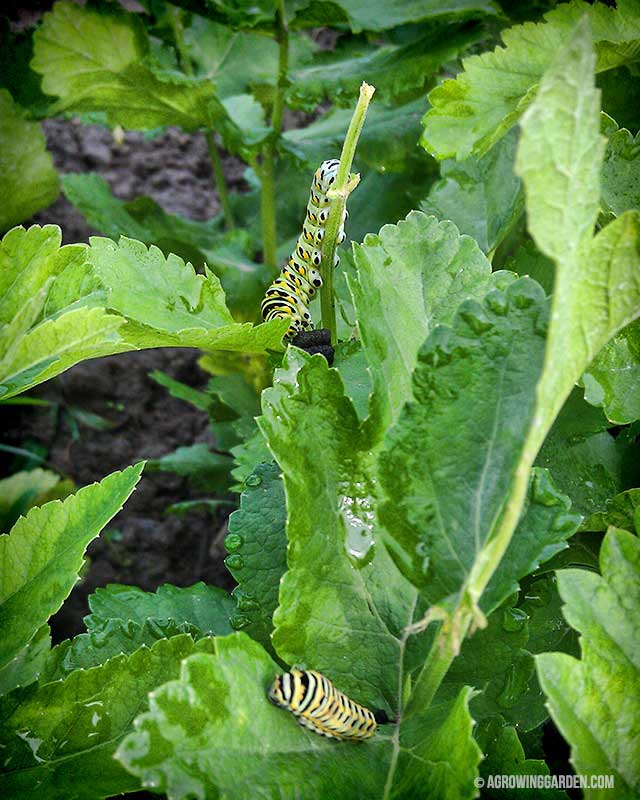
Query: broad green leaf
x: 498, y: 661
x: 504, y: 755
x: 595, y: 701
x: 257, y: 545
x: 115, y: 74
x: 471, y: 112
x: 597, y: 282
x: 189, y: 742
x: 343, y: 605
x: 41, y: 557
x: 33, y: 349
x: 482, y: 196
x: 545, y: 525
x: 204, y: 468
x: 226, y: 254
x: 59, y: 739
x: 397, y: 69
x: 380, y: 16
x: 112, y: 638
x: 205, y: 608
x: 621, y: 511
x: 621, y: 169
x: 171, y: 304
x: 613, y: 377
x: 54, y: 315
x: 27, y: 666
x: 621, y: 95
x: 246, y: 455
x: 238, y: 60
x: 16, y: 75
x: 584, y: 459
x: 21, y: 491
x: 28, y: 180
x: 387, y: 140
x: 352, y: 365
x: 528, y: 260
x: 411, y: 276
x: 473, y: 403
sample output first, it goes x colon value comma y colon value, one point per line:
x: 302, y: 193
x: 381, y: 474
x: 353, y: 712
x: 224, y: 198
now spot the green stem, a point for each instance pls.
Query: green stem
x: 220, y: 180
x: 343, y: 186
x: 267, y: 168
x: 175, y: 15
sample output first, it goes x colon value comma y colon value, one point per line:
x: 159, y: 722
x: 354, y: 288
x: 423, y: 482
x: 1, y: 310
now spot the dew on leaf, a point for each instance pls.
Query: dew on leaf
x: 239, y: 621
x: 514, y: 619
x: 253, y: 480
x: 234, y: 562
x: 232, y: 542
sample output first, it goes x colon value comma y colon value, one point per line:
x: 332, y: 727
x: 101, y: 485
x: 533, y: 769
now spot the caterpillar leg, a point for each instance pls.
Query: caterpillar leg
x: 315, y: 341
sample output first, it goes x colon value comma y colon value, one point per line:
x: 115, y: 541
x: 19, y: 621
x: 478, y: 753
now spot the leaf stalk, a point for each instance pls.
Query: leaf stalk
x: 345, y: 183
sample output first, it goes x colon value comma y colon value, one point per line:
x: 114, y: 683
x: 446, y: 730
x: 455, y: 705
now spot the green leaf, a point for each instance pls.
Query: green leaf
x: 621, y: 168
x: 621, y: 511
x: 116, y: 75
x: 498, y: 660
x: 182, y: 391
x: 257, y: 546
x: 613, y: 377
x: 386, y: 143
x: 252, y: 451
x: 586, y: 462
x: 482, y: 196
x: 113, y: 638
x: 188, y: 743
x: 21, y: 491
x: 411, y: 276
x: 343, y: 604
x: 470, y: 113
x: 504, y: 755
x: 396, y: 68
x: 352, y: 365
x: 237, y: 60
x: 528, y: 260
x: 31, y: 349
x: 545, y: 524
x: 595, y: 701
x: 52, y: 311
x: 59, y: 739
x: 27, y: 666
x: 205, y: 608
x: 41, y: 557
x: 207, y: 470
x: 173, y: 305
x: 28, y: 180
x: 380, y: 16
x: 473, y: 390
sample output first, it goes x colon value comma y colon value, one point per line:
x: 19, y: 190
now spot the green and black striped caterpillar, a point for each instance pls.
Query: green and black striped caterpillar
x: 322, y: 708
x: 291, y: 292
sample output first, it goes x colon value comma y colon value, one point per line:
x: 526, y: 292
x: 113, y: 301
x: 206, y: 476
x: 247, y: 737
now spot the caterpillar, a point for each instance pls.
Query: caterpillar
x: 322, y: 708
x: 292, y: 291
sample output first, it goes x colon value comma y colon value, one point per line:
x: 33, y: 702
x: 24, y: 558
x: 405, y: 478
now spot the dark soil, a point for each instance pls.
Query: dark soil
x: 143, y: 545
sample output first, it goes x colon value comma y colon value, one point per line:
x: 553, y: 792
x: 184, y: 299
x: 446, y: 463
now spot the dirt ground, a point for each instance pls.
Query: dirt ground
x: 143, y: 545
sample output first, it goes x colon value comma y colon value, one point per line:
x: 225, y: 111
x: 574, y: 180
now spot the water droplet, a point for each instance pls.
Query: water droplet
x: 253, y: 480
x: 234, y: 562
x: 497, y: 302
x: 239, y: 621
x: 232, y: 542
x: 247, y: 603
x: 513, y: 619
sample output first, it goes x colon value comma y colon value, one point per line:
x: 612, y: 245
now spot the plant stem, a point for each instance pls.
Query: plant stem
x: 267, y: 168
x: 175, y: 15
x: 220, y: 180
x: 345, y: 183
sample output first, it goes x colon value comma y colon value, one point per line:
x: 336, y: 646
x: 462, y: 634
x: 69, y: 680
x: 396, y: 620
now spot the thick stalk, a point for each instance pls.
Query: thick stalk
x: 175, y: 15
x: 267, y: 168
x: 345, y: 183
